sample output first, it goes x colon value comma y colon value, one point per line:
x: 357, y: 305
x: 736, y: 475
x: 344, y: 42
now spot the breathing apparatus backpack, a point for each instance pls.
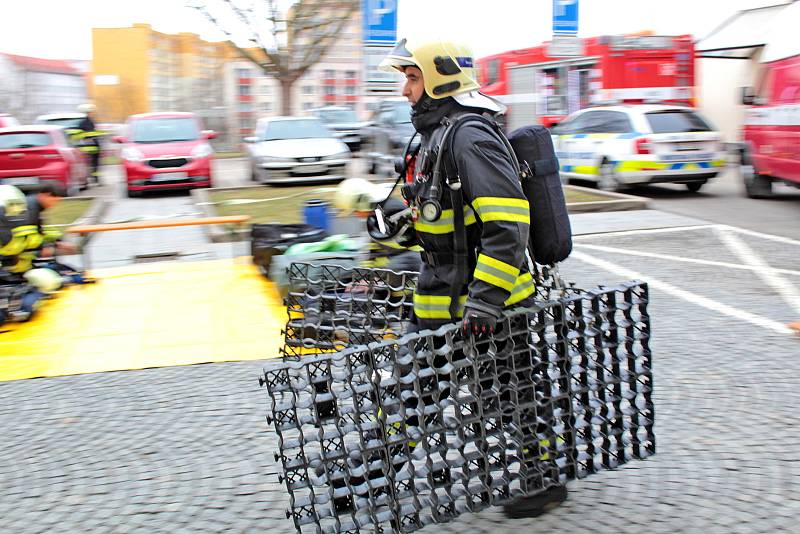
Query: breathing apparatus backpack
x: 534, y: 158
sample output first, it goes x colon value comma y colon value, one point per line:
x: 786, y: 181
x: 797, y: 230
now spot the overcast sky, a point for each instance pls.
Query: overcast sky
x: 62, y: 28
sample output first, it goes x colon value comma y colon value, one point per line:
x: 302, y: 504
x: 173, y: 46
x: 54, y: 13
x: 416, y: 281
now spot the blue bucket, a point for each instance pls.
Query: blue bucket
x: 316, y: 214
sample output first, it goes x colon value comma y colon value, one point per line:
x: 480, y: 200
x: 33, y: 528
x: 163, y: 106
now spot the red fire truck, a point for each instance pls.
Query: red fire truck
x: 541, y: 87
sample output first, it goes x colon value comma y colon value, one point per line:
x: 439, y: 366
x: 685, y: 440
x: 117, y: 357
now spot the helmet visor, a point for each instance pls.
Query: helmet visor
x: 398, y: 58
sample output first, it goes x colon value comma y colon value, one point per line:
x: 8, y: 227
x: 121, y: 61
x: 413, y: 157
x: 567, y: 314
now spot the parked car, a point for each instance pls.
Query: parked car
x: 64, y: 120
x: 771, y: 131
x: 165, y: 151
x: 295, y: 150
x: 7, y: 120
x: 344, y: 124
x: 386, y: 135
x: 30, y: 155
x: 623, y: 145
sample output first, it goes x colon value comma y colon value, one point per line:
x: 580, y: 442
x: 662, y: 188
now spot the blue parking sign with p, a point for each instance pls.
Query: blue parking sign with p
x: 379, y: 21
x: 565, y: 17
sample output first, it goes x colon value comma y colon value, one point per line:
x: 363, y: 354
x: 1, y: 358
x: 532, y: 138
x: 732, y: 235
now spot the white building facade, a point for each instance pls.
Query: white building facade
x: 30, y: 86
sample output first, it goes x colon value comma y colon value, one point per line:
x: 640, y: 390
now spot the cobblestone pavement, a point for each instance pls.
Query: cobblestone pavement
x: 186, y: 449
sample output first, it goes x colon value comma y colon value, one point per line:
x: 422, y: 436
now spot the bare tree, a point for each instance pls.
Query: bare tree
x: 283, y: 45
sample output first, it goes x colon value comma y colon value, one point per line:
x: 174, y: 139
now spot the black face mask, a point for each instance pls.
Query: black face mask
x: 428, y: 112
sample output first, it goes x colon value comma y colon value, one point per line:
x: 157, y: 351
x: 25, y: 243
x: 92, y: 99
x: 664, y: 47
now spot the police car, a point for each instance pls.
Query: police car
x: 623, y: 145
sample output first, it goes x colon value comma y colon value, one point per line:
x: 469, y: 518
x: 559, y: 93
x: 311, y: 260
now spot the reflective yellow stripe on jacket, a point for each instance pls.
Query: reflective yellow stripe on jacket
x: 30, y: 234
x: 445, y: 224
x: 436, y: 306
x: 502, y: 209
x: 523, y: 288
x: 496, y: 272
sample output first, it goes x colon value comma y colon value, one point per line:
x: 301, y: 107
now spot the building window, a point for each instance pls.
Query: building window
x: 244, y: 90
x: 330, y: 90
x: 266, y: 89
x: 350, y: 90
x: 242, y: 73
x: 329, y: 73
x: 307, y: 106
x: 350, y: 74
x: 308, y: 89
x: 245, y: 107
x: 266, y: 107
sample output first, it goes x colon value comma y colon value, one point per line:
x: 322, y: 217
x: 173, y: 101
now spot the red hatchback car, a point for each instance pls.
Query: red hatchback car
x: 165, y: 151
x: 30, y: 155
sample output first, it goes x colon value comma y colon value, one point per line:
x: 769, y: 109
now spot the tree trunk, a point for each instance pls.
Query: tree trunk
x: 286, y: 95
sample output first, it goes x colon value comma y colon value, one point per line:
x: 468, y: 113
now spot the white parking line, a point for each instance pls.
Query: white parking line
x: 655, y: 255
x: 686, y: 295
x: 644, y: 231
x: 778, y: 238
x: 785, y: 289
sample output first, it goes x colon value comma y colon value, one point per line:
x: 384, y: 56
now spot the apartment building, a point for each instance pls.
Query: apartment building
x: 138, y: 69
x: 31, y: 86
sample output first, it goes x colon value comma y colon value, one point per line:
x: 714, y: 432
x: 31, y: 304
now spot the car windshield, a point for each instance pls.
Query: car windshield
x: 24, y: 140
x: 402, y: 113
x: 164, y: 130
x: 337, y: 116
x: 676, y: 122
x: 72, y: 122
x: 295, y: 129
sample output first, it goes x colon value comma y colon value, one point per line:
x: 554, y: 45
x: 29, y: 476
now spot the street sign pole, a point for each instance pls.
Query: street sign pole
x: 379, y: 23
x: 565, y: 42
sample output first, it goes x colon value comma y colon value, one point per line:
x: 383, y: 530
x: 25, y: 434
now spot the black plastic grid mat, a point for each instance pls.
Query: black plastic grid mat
x: 332, y: 307
x: 400, y: 433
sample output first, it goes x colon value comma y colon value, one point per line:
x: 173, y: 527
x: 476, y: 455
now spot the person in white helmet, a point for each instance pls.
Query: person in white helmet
x: 359, y: 197
x: 474, y: 262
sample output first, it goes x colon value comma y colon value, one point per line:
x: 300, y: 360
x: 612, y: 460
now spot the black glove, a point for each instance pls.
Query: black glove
x: 478, y: 322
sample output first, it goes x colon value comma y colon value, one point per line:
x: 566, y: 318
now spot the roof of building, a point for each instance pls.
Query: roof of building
x: 746, y: 32
x: 38, y: 64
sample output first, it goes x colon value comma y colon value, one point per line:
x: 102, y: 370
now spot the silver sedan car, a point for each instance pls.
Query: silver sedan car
x: 295, y: 150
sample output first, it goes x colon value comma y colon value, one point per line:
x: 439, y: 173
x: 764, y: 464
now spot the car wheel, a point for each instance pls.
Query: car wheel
x: 755, y: 184
x: 694, y: 187
x: 372, y: 168
x: 606, y: 178
x: 73, y: 189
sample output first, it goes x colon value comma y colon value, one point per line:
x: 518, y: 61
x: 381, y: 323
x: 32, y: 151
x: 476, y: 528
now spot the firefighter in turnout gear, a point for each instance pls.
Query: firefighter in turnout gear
x: 87, y: 137
x: 470, y: 215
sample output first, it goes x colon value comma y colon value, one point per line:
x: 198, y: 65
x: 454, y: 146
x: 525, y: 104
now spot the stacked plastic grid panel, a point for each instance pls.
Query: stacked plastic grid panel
x: 403, y: 433
x: 332, y: 307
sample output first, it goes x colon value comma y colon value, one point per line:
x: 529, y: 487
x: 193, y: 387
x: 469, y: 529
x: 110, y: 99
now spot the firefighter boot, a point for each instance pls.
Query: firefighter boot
x: 536, y: 504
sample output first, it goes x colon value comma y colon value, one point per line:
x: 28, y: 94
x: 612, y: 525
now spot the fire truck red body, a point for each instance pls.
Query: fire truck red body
x: 538, y: 87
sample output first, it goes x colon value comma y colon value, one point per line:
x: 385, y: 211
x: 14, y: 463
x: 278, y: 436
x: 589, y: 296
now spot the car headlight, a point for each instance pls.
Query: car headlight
x: 202, y: 151
x: 273, y: 159
x: 340, y: 155
x: 131, y: 154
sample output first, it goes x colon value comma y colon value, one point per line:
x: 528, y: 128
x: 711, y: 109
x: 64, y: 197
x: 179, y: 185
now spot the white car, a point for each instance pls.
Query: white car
x: 295, y: 150
x: 623, y: 145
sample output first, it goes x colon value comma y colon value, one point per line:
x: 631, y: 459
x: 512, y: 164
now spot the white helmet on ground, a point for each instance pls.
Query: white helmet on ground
x: 87, y: 108
x: 358, y: 195
x: 45, y: 280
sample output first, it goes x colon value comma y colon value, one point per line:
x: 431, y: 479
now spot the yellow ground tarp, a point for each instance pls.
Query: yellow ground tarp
x: 148, y: 315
